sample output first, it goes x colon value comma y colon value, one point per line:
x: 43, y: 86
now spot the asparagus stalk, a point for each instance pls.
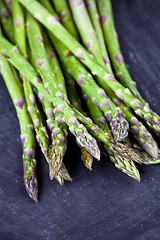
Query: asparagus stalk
x: 27, y: 130
x: 66, y: 18
x: 27, y: 136
x: 115, y: 54
x: 94, y: 15
x: 72, y: 93
x: 59, y: 170
x: 6, y: 21
x: 20, y: 39
x: 86, y: 157
x: 65, y: 15
x: 41, y: 131
x: 106, y: 80
x: 19, y: 27
x: 60, y: 140
x: 87, y: 33
x: 58, y: 147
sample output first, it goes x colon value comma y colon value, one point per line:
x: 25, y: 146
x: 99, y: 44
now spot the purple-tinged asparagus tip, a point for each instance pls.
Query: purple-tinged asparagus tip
x: 119, y: 127
x: 32, y: 188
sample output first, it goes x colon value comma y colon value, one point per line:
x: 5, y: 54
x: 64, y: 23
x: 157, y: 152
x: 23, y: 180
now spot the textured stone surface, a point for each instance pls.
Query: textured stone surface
x: 103, y: 204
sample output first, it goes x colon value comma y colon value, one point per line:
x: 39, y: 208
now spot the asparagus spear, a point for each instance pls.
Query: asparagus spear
x: 106, y: 80
x: 94, y: 15
x: 64, y: 14
x: 27, y: 130
x: 145, y: 158
x: 87, y: 33
x: 114, y: 115
x: 86, y: 157
x: 6, y: 21
x: 141, y: 134
x: 57, y: 149
x: 110, y: 34
x: 58, y: 146
x: 72, y: 93
x: 60, y: 140
x: 20, y: 39
x: 19, y: 27
x: 41, y: 131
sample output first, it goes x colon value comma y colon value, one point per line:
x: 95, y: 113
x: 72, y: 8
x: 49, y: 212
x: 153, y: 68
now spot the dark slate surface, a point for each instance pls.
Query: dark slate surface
x: 102, y: 204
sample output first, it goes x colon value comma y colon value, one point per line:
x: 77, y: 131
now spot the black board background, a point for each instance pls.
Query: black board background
x: 102, y: 204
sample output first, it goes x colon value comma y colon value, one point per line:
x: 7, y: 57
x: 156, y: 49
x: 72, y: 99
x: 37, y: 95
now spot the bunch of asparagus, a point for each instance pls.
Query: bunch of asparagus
x: 47, y: 51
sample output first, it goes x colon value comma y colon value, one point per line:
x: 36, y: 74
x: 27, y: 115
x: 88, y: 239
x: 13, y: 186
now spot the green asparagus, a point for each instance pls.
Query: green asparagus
x: 106, y: 80
x: 115, y: 54
x: 87, y: 33
x: 52, y: 87
x: 6, y: 21
x: 86, y: 157
x: 15, y: 89
x: 64, y: 14
x: 114, y: 115
x: 94, y: 15
x: 20, y: 38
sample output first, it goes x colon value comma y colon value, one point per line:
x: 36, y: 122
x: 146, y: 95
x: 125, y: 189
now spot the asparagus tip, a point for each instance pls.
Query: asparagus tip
x: 31, y: 188
x: 119, y: 128
x: 145, y: 157
x: 152, y: 119
x: 87, y: 158
x: 54, y: 165
x: 153, y: 151
x: 59, y: 179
